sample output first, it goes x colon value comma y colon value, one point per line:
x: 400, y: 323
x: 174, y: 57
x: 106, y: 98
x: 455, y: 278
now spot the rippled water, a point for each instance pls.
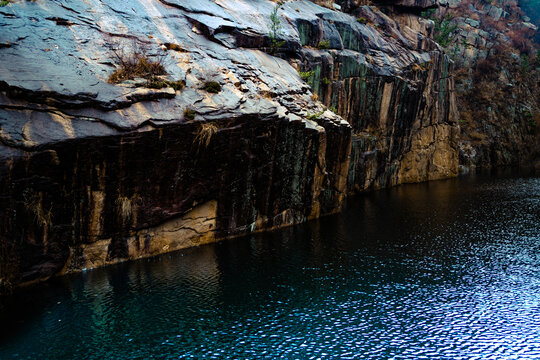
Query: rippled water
x: 444, y: 270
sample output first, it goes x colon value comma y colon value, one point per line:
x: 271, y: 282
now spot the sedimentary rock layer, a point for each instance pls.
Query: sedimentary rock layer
x: 93, y: 173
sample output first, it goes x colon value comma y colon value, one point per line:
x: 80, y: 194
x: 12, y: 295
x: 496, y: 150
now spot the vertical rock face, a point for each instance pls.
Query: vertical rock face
x: 497, y: 81
x: 83, y: 204
x: 396, y: 92
x: 93, y: 173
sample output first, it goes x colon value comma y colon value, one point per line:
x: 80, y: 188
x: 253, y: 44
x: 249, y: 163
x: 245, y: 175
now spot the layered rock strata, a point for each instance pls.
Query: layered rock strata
x: 93, y: 173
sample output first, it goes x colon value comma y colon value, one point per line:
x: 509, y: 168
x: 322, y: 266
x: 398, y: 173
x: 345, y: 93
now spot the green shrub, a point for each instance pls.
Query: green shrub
x: 324, y: 44
x: 177, y: 85
x: 212, y: 87
x: 444, y: 27
x: 157, y: 83
x: 316, y: 115
x: 326, y: 81
x: 362, y: 20
x: 189, y: 114
x: 4, y: 3
x: 444, y: 30
x: 306, y: 75
x: 275, y: 29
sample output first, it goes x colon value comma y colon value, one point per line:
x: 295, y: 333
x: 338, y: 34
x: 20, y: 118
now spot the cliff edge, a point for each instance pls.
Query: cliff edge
x: 133, y: 128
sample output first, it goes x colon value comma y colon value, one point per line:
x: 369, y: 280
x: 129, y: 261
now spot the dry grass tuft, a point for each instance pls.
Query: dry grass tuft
x: 32, y: 203
x: 125, y: 207
x: 134, y: 66
x: 204, y: 136
x: 174, y: 47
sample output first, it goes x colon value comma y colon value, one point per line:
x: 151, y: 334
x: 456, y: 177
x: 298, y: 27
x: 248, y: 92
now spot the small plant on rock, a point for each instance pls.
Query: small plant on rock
x: 136, y: 65
x: 177, y: 85
x: 275, y: 29
x: 362, y: 20
x: 316, y: 115
x: 212, y: 87
x: 157, y: 83
x: 324, y: 44
x: 189, y: 114
x: 206, y: 131
x: 306, y: 75
x: 174, y: 47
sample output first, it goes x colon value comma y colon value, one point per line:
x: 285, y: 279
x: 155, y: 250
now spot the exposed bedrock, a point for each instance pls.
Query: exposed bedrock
x: 101, y: 200
x: 93, y: 173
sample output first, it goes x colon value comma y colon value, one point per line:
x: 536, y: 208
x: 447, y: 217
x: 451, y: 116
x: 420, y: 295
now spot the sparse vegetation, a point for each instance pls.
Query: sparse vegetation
x: 4, y: 3
x: 275, y: 29
x: 136, y: 65
x: 525, y: 63
x: 496, y: 74
x: 316, y: 115
x: 444, y: 27
x: 177, y: 85
x: 326, y: 81
x: 367, y: 137
x: 324, y: 44
x: 418, y: 67
x: 125, y: 207
x: 157, y: 83
x: 306, y: 75
x: 212, y: 87
x: 204, y: 136
x: 174, y: 47
x: 189, y: 114
x: 362, y: 20
x: 33, y: 204
x: 532, y: 126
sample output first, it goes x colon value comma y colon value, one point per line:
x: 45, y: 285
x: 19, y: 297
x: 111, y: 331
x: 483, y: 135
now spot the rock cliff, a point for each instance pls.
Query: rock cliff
x: 260, y: 115
x: 497, y: 80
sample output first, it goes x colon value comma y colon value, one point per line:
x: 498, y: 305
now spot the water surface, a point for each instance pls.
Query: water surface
x: 442, y: 270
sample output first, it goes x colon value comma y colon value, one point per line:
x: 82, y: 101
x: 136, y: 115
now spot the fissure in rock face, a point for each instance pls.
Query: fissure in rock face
x: 263, y: 132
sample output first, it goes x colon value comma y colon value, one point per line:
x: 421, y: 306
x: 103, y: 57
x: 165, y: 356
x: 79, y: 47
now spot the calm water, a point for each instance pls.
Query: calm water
x: 444, y: 270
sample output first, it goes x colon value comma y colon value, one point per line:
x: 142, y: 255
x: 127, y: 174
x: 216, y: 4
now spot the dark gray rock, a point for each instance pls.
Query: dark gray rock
x: 93, y: 173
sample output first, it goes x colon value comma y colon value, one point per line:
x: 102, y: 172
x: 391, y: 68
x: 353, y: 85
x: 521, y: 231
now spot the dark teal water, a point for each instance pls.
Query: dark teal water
x: 444, y: 270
